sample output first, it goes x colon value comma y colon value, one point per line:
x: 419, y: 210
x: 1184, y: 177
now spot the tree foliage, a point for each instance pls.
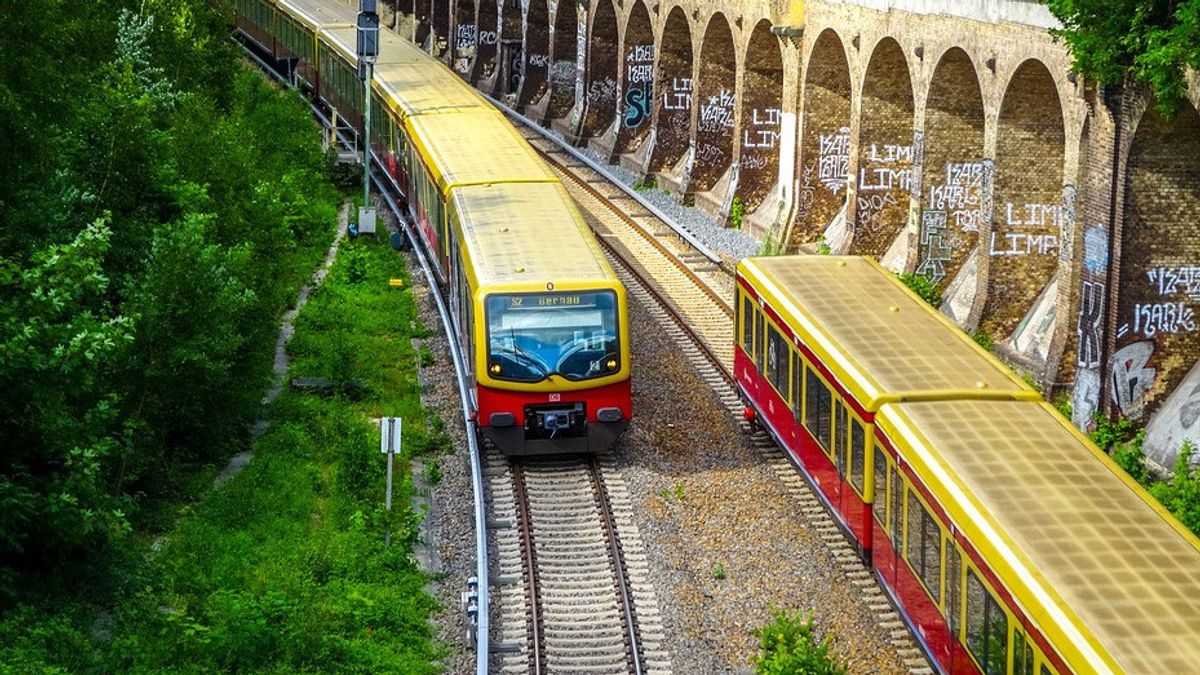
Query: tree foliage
x: 1152, y: 43
x: 161, y: 203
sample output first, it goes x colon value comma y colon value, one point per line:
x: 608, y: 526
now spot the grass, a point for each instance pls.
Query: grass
x: 284, y: 568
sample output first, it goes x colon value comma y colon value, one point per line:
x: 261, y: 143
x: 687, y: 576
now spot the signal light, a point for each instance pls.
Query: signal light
x: 494, y: 369
x: 612, y: 364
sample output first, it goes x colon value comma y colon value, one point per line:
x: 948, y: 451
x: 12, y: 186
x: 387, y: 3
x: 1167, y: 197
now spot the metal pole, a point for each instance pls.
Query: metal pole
x: 387, y: 500
x: 367, y: 135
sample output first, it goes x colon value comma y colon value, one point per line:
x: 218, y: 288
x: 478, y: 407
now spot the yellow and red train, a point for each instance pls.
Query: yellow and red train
x: 1010, y: 543
x: 539, y: 315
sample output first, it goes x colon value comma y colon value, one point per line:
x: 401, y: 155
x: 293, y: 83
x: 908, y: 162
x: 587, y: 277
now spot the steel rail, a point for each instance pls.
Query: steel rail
x: 482, y: 631
x: 524, y: 524
x: 624, y: 596
x: 599, y: 168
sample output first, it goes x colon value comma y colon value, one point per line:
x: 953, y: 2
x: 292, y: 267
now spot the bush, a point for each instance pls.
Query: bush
x: 737, y: 211
x: 1109, y: 433
x: 1129, y: 456
x: 1181, y: 494
x: 789, y: 645
x: 924, y: 288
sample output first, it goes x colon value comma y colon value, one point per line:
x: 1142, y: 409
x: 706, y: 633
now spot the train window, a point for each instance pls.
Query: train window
x: 894, y: 512
x: 839, y: 441
x: 880, y: 496
x: 747, y: 332
x: 797, y: 386
x: 857, y: 456
x: 1022, y: 655
x: 953, y: 587
x: 924, y: 546
x: 760, y: 340
x: 777, y: 361
x: 987, y: 628
x: 817, y: 409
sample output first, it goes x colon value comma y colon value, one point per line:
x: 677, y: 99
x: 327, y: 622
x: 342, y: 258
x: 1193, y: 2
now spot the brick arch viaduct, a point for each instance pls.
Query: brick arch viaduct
x: 1059, y: 219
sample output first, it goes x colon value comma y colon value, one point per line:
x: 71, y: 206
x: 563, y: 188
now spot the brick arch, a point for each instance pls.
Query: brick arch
x: 1160, y: 244
x: 536, y: 52
x: 674, y: 86
x: 462, y: 43
x: 885, y: 164
x: 715, y: 102
x: 441, y: 26
x: 487, y: 39
x: 825, y: 146
x: 1027, y: 220
x: 600, y: 94
x: 956, y: 177
x: 637, y: 83
x: 762, y: 108
x: 563, y: 60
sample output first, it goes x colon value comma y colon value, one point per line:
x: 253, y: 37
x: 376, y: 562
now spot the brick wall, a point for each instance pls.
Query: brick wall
x: 637, y: 81
x: 537, y: 52
x: 885, y: 151
x: 715, y: 104
x: 825, y: 142
x: 762, y: 106
x: 954, y: 178
x: 1156, y: 329
x: 562, y: 56
x: 1028, y: 216
x: 674, y: 95
x: 600, y: 91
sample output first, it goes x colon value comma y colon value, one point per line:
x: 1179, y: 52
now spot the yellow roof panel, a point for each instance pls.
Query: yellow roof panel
x: 425, y: 86
x: 882, y: 342
x: 392, y: 47
x: 318, y: 14
x: 532, y: 233
x: 1106, y: 571
x: 470, y: 148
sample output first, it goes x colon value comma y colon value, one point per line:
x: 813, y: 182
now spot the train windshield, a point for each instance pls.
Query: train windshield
x: 534, y: 335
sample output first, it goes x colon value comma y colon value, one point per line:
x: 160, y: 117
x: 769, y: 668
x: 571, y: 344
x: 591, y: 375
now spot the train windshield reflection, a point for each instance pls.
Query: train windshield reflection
x: 534, y: 335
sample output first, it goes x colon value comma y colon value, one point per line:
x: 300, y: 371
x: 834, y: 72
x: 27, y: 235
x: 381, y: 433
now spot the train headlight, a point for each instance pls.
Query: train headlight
x: 494, y: 369
x: 612, y: 364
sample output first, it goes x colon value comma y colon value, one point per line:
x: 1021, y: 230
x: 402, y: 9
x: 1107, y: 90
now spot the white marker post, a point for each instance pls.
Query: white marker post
x: 390, y: 435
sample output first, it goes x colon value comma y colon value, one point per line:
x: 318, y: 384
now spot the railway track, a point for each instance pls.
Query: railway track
x: 574, y: 596
x: 684, y: 292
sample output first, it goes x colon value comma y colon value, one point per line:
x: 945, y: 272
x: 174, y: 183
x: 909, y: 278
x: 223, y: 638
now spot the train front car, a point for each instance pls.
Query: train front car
x: 550, y: 330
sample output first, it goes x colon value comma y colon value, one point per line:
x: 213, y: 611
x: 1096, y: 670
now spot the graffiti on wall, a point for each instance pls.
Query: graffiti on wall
x: 884, y: 177
x: 464, y: 36
x: 1168, y: 313
x: 716, y: 113
x: 761, y: 131
x: 1131, y: 379
x: 833, y: 159
x: 639, y: 85
x: 806, y: 196
x: 1091, y: 301
x: 935, y: 251
x: 962, y: 193
x: 679, y: 96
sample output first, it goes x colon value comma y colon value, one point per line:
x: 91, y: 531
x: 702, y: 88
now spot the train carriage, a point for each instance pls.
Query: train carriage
x: 1014, y: 545
x: 545, y: 318
x: 450, y: 151
x: 297, y: 35
x: 540, y: 315
x: 823, y: 342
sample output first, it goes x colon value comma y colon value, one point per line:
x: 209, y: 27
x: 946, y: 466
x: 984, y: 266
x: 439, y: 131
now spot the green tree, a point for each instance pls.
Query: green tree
x: 1181, y: 494
x: 58, y: 340
x: 1151, y: 43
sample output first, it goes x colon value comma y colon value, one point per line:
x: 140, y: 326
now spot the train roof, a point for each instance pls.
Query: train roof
x: 425, y: 87
x: 532, y: 234
x: 1087, y: 552
x: 475, y: 147
x: 882, y: 342
x: 320, y: 14
x: 392, y: 47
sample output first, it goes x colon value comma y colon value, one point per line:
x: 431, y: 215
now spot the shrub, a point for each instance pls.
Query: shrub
x: 1129, y: 456
x: 823, y: 245
x: 926, y: 289
x: 790, y: 645
x: 737, y: 211
x: 1181, y: 494
x: 1109, y: 432
x: 984, y: 340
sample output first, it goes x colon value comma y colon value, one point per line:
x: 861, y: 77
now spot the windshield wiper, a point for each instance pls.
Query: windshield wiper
x: 517, y: 349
